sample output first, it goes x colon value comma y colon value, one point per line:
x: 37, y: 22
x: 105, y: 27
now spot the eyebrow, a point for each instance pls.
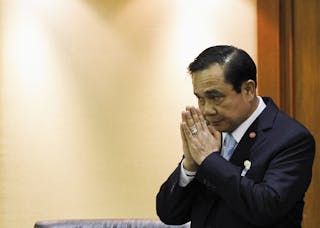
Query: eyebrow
x: 210, y: 93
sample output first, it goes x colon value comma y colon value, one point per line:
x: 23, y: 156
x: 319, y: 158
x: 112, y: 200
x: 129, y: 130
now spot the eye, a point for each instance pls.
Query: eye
x: 215, y: 96
x: 217, y: 99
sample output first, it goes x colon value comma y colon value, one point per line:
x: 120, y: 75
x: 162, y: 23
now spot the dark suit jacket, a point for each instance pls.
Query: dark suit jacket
x: 269, y: 195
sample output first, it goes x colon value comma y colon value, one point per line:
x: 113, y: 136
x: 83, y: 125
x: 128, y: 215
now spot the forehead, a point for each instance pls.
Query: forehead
x: 208, y: 79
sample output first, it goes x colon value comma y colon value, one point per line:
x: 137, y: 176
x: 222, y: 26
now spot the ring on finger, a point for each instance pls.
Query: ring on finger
x: 194, y: 131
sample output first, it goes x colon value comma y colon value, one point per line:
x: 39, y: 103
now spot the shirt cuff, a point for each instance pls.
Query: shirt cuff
x: 185, y: 176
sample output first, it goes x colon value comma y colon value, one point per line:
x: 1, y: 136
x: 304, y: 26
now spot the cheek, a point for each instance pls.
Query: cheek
x: 238, y: 114
x: 232, y: 120
x: 234, y: 111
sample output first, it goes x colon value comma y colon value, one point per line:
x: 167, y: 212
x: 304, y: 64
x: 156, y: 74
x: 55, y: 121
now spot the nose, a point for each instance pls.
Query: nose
x: 208, y: 108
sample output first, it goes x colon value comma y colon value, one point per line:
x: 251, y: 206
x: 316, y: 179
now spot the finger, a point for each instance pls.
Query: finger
x: 217, y: 137
x: 196, y: 119
x: 216, y: 134
x: 203, y: 122
x: 187, y: 133
x: 188, y: 109
x: 189, y: 119
x: 183, y: 117
x: 183, y: 137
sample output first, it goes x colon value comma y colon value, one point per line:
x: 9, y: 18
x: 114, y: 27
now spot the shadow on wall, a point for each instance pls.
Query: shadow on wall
x: 107, y: 9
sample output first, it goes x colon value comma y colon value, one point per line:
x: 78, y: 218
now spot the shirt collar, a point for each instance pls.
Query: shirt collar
x: 239, y: 131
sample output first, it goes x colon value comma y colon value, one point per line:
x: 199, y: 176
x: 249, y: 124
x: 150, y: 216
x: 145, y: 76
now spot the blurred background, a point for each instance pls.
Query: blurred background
x: 91, y: 96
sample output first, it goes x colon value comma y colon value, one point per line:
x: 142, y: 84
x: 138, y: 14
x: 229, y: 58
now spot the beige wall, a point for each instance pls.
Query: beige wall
x: 91, y: 95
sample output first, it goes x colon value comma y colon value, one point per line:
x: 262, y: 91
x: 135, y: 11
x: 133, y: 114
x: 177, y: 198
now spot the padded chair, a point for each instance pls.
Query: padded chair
x: 106, y: 223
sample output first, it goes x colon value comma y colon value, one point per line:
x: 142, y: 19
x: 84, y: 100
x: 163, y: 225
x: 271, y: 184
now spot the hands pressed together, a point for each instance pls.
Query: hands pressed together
x: 198, y: 139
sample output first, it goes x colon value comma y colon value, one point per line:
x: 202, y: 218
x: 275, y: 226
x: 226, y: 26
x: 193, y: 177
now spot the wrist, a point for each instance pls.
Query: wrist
x: 189, y: 165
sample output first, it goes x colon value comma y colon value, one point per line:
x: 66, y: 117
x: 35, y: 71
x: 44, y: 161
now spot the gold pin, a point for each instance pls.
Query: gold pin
x: 252, y: 135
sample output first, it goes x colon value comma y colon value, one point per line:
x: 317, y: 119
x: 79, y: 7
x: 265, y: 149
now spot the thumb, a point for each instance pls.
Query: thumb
x: 214, y: 132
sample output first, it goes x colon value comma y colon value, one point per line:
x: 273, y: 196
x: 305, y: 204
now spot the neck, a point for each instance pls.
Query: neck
x: 254, y: 105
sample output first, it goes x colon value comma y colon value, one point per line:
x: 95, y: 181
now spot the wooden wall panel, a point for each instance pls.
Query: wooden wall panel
x: 275, y: 38
x: 306, y: 91
x: 288, y: 32
x: 286, y: 56
x: 268, y: 49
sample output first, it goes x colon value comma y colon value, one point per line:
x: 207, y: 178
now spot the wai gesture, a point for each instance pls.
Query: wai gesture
x: 198, y: 139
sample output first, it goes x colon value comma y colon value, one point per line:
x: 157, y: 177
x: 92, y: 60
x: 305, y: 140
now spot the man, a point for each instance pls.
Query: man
x: 245, y: 164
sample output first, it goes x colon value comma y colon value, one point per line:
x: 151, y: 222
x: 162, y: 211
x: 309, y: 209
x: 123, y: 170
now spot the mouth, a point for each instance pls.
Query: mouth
x: 213, y: 123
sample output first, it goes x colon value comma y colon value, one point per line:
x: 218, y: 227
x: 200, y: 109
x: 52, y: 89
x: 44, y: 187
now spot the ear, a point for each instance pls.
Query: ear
x: 248, y: 88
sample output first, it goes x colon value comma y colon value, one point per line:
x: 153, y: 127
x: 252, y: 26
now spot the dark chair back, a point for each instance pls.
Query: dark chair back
x: 106, y: 223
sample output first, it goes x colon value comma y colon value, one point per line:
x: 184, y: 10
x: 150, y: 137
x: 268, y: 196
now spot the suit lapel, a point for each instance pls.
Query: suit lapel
x: 254, y: 134
x: 243, y: 149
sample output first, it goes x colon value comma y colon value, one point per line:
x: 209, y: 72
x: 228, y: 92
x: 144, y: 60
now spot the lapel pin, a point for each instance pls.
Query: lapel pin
x: 252, y: 135
x: 247, y: 166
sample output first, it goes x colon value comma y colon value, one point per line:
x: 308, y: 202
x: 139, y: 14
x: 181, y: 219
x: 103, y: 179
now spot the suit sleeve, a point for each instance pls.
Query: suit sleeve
x: 173, y: 202
x: 284, y: 182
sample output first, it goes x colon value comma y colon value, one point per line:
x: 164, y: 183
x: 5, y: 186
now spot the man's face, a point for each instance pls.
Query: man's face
x: 221, y: 105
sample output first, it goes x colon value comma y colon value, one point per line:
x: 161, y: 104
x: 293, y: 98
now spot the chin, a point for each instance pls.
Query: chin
x: 223, y: 128
x: 220, y: 128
